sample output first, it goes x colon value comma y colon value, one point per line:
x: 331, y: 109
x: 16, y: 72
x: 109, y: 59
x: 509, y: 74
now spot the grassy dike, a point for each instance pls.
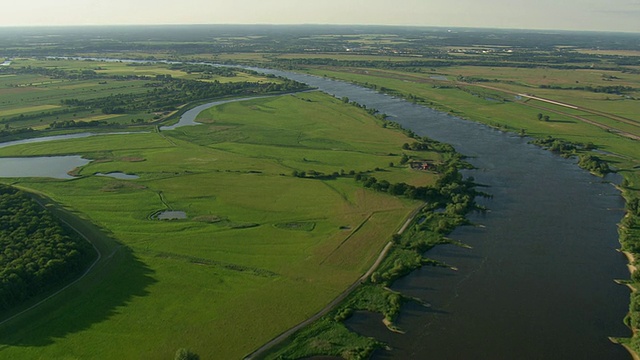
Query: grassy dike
x: 597, y: 149
x: 261, y: 249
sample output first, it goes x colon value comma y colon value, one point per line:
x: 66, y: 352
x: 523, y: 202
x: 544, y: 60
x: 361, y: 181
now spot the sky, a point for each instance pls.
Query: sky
x: 596, y: 15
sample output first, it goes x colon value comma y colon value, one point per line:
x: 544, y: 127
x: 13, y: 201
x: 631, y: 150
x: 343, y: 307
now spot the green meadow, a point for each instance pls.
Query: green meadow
x: 38, y: 97
x: 477, y: 104
x: 260, y: 251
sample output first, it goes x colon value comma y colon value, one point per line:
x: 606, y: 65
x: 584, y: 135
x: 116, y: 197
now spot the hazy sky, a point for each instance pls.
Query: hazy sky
x: 608, y: 15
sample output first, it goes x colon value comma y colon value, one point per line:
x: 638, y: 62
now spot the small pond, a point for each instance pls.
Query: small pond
x: 56, y: 167
x: 119, y: 175
x: 170, y: 215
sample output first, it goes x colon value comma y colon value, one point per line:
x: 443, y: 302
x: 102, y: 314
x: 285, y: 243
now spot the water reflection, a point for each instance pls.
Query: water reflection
x: 57, y: 167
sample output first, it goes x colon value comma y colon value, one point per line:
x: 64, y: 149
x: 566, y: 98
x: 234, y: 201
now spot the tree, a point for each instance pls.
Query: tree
x: 396, y: 239
x: 546, y: 118
x: 539, y: 116
x: 185, y: 354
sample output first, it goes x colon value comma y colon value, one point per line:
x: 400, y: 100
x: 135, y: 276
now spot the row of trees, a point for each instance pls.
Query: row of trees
x: 542, y: 117
x: 569, y: 149
x: 630, y: 241
x: 7, y: 131
x: 164, y: 93
x: 206, y: 69
x: 520, y: 60
x: 169, y: 93
x: 76, y: 124
x: 38, y: 253
x: 452, y: 192
x: 563, y: 147
x: 594, y: 164
x: 617, y: 89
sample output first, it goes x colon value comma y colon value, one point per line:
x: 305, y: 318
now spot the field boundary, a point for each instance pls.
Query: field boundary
x: 335, y: 302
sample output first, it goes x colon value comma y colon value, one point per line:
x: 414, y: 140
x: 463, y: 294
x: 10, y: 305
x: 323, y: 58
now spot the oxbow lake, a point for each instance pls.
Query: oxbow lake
x: 56, y: 167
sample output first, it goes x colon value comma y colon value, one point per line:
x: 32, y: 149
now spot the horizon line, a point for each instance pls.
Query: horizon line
x: 457, y: 27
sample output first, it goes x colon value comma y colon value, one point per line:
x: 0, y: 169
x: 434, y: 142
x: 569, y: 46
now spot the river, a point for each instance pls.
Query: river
x: 538, y: 282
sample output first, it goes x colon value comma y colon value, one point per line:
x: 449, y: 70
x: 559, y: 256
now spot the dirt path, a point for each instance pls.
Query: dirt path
x: 574, y: 107
x: 280, y: 338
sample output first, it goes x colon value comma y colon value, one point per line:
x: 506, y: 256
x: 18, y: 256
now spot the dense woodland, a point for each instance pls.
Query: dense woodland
x: 38, y: 253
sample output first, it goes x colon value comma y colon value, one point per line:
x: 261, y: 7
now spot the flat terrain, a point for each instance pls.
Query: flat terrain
x: 497, y: 103
x: 38, y: 96
x: 260, y: 251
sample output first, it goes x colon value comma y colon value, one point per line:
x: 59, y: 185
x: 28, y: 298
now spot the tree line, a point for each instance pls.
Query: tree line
x: 569, y: 149
x: 38, y: 252
x: 615, y: 89
x: 164, y: 94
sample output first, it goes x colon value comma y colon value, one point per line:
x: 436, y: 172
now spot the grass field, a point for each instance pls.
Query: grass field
x: 230, y: 277
x: 40, y: 96
x: 476, y: 104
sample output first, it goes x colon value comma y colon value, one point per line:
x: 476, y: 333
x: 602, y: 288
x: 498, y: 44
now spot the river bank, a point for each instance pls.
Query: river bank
x: 505, y: 162
x: 542, y: 220
x: 627, y: 237
x: 427, y: 226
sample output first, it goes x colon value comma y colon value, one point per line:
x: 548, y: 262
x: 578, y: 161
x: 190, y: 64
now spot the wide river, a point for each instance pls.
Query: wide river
x: 538, y: 282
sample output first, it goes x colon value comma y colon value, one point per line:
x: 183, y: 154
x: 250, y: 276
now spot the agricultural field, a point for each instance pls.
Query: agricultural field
x: 260, y: 250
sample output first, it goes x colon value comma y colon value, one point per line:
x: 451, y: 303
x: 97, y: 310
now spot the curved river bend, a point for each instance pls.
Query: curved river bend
x: 539, y: 280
